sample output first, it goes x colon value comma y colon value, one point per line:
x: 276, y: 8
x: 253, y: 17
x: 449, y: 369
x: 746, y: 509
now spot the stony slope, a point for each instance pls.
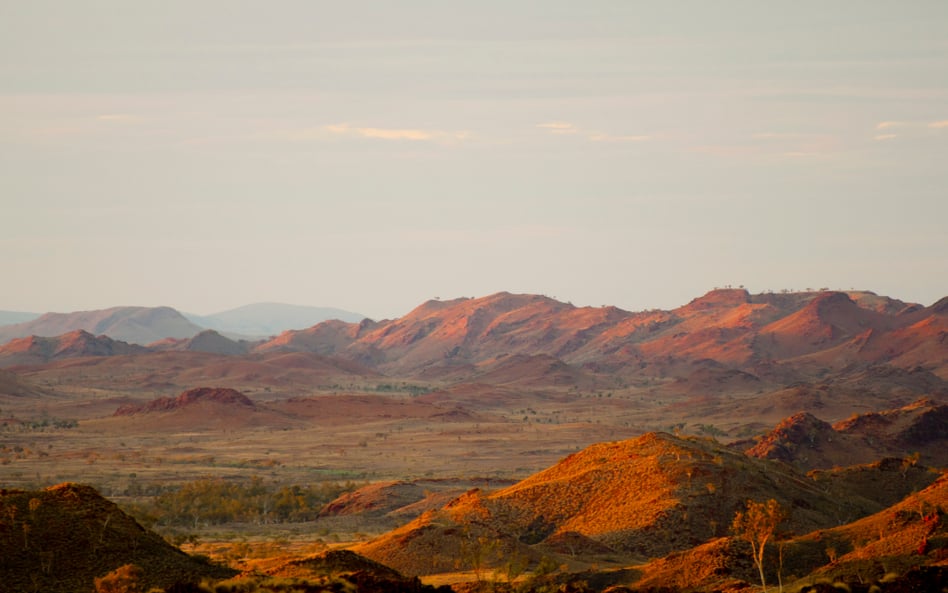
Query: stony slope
x: 61, y: 538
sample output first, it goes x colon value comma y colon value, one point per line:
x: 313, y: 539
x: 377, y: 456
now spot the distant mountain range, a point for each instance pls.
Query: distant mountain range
x: 268, y: 319
x: 803, y: 349
x: 763, y: 335
x: 145, y: 325
x: 139, y: 325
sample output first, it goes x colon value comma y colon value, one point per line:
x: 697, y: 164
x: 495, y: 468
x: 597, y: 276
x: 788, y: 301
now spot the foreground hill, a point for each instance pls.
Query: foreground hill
x: 136, y: 325
x: 640, y: 498
x: 910, y: 533
x: 899, y: 549
x: 658, y: 510
x: 61, y: 538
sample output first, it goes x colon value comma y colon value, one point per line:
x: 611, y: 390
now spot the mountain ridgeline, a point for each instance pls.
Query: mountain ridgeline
x: 725, y: 341
x: 728, y: 327
x: 146, y: 325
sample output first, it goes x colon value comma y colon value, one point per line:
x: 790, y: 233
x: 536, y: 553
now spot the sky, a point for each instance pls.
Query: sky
x: 373, y: 155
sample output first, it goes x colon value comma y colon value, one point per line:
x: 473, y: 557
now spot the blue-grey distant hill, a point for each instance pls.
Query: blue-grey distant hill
x: 9, y: 317
x: 135, y: 325
x: 268, y: 319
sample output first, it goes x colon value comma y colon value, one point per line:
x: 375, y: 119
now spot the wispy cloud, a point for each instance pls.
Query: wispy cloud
x: 410, y: 134
x: 559, y: 127
x: 888, y: 125
x: 907, y: 128
x: 918, y: 125
x: 562, y: 128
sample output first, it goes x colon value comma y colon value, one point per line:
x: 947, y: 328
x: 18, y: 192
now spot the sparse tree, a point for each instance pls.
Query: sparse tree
x: 757, y: 525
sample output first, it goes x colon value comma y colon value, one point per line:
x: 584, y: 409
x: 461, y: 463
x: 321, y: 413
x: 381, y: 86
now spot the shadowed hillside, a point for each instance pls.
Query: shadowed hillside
x: 883, y: 546
x: 61, y: 538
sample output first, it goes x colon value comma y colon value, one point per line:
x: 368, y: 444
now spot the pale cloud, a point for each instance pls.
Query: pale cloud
x: 915, y: 125
x: 909, y: 128
x: 559, y: 127
x: 394, y: 134
x: 410, y: 134
x: 562, y: 128
x: 888, y: 125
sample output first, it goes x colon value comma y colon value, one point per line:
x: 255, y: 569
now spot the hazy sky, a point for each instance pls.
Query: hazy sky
x: 373, y: 155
